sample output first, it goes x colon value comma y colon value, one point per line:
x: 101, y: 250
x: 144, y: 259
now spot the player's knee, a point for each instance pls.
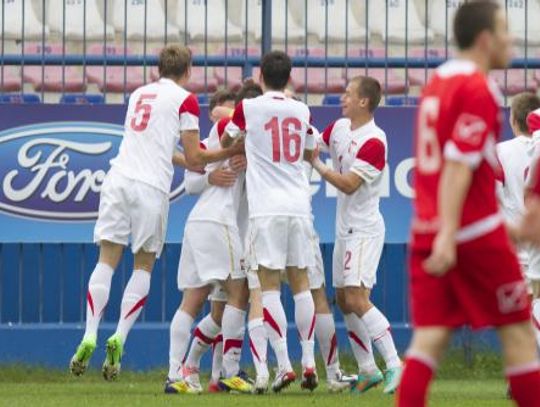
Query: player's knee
x: 518, y: 342
x: 216, y: 311
x: 431, y: 341
x: 321, y: 302
x: 340, y: 301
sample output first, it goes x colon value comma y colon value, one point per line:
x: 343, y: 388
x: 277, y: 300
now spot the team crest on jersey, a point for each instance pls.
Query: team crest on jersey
x: 55, y: 170
x: 470, y: 128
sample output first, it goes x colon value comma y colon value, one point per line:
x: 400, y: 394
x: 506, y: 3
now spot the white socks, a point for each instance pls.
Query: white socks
x: 179, y: 340
x: 276, y: 328
x: 378, y: 329
x: 536, y: 319
x: 233, y: 329
x: 325, y: 332
x: 304, y: 315
x: 99, y: 287
x: 360, y: 343
x: 203, y: 337
x: 133, y: 300
x: 217, y: 357
x: 258, y: 343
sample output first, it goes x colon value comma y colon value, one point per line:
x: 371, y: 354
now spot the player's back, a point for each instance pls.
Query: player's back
x: 276, y: 129
x: 458, y: 119
x: 151, y: 130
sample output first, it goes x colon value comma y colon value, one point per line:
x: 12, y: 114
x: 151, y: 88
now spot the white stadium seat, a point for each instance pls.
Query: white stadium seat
x: 13, y: 21
x: 137, y: 10
x: 74, y: 20
x: 516, y: 12
x: 254, y: 20
x: 194, y: 12
x: 438, y: 13
x: 337, y: 10
x: 416, y: 31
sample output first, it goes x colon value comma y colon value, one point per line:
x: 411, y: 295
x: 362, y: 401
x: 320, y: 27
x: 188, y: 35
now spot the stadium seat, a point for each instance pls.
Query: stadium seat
x: 233, y: 79
x: 75, y: 15
x: 315, y: 80
x: 441, y: 15
x: 137, y: 10
x: 280, y: 16
x: 516, y: 13
x: 331, y: 100
x: 82, y: 99
x: 203, y: 99
x: 199, y: 23
x: 52, y: 78
x: 417, y: 76
x: 13, y: 20
x: 402, y: 101
x: 514, y: 82
x: 114, y: 79
x: 337, y: 9
x: 19, y: 98
x: 10, y: 79
x: 397, y: 24
x: 390, y: 81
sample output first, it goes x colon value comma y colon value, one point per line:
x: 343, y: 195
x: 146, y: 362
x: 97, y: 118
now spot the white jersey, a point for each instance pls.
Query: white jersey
x: 364, y: 152
x: 276, y: 129
x: 156, y: 115
x: 217, y: 204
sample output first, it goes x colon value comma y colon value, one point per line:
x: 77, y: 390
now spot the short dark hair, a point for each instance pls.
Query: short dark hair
x: 369, y: 88
x: 174, y: 61
x: 249, y: 90
x: 471, y: 19
x: 522, y: 105
x: 221, y: 96
x: 276, y: 69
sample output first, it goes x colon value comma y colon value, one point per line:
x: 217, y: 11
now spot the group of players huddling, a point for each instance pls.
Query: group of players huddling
x: 252, y: 226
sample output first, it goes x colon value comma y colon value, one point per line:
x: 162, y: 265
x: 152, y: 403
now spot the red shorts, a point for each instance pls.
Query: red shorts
x: 486, y: 288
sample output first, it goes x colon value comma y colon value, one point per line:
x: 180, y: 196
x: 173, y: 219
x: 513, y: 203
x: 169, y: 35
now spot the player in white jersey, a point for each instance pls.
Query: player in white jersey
x: 134, y: 199
x: 359, y: 153
x: 276, y: 137
x: 211, y: 256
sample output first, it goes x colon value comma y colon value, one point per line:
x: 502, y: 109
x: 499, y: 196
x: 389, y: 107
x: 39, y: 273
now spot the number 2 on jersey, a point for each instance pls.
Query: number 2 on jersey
x: 284, y: 135
x: 142, y: 112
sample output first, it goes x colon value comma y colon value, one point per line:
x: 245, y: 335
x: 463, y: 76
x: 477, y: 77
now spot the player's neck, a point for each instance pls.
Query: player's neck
x: 478, y: 58
x: 360, y: 120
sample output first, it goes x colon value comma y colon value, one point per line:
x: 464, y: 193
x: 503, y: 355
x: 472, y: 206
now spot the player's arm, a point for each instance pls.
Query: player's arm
x: 195, y: 156
x: 196, y: 182
x: 236, y: 128
x: 347, y: 183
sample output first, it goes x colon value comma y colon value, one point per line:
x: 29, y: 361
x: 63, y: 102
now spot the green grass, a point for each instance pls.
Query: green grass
x: 478, y: 384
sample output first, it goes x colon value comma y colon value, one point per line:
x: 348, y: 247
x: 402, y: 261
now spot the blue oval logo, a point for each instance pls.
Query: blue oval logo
x: 55, y: 170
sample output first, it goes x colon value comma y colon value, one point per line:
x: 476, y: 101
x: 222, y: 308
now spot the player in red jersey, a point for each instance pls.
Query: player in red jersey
x: 463, y: 268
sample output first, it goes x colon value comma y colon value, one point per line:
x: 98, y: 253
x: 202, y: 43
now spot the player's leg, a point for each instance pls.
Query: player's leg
x: 304, y: 315
x: 193, y: 300
x: 325, y: 333
x: 522, y: 367
x: 258, y: 338
x: 535, y: 286
x: 133, y: 300
x: 425, y: 352
x: 99, y: 286
x: 216, y: 310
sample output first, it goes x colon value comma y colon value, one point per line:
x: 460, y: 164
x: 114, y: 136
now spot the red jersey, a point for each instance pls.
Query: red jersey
x: 459, y: 120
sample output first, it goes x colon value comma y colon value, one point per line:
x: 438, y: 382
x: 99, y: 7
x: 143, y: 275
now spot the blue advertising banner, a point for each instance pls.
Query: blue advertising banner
x: 53, y: 159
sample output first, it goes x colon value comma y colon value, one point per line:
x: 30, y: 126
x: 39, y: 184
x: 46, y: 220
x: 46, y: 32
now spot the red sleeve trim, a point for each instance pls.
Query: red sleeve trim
x: 327, y: 133
x: 190, y: 105
x: 373, y: 152
x: 221, y: 126
x: 238, y: 116
x: 202, y: 145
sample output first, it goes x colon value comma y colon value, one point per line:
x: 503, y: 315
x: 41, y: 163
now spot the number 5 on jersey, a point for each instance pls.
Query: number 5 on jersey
x: 142, y: 112
x: 286, y: 138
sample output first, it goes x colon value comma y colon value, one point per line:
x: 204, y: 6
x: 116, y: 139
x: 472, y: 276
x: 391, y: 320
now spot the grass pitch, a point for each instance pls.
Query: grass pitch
x: 457, y: 385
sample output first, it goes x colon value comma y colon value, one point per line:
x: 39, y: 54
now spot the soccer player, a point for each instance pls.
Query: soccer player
x: 276, y: 128
x: 134, y: 198
x: 359, y: 152
x: 211, y: 258
x: 463, y: 267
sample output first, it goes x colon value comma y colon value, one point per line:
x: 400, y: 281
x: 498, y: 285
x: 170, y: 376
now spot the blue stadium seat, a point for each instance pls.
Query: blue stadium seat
x: 18, y: 98
x: 331, y: 100
x: 82, y: 99
x: 402, y: 101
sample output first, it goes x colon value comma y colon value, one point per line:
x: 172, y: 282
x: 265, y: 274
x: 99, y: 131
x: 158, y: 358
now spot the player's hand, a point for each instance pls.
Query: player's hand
x: 238, y: 163
x: 443, y: 255
x: 237, y: 147
x: 222, y: 177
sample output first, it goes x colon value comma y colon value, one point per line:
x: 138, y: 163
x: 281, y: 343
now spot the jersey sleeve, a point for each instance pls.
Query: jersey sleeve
x: 222, y: 126
x: 237, y: 124
x: 370, y: 160
x: 196, y: 182
x: 474, y: 126
x: 312, y: 136
x: 533, y: 176
x: 189, y: 113
x: 325, y: 137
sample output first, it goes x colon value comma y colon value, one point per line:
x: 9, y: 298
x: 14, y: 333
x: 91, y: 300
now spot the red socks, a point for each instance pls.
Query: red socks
x: 417, y: 375
x: 524, y: 384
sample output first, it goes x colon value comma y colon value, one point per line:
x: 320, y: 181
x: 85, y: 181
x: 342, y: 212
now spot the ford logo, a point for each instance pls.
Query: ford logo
x: 55, y: 170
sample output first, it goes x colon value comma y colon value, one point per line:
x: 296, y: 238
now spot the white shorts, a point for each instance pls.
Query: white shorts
x: 129, y: 207
x: 277, y: 242
x: 356, y: 260
x: 211, y: 252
